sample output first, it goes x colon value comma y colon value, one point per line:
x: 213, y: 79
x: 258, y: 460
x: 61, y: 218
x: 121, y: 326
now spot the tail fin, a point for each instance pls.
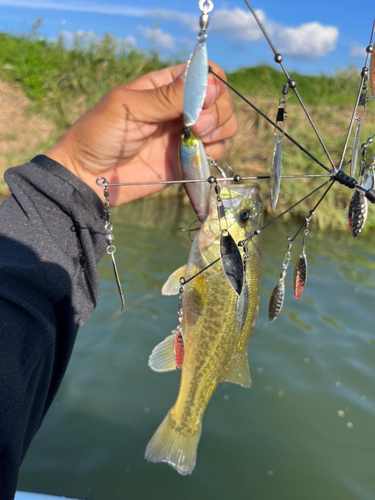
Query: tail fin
x: 169, y: 445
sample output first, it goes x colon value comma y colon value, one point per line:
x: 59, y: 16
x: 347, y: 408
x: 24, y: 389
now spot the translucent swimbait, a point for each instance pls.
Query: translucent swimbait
x: 194, y: 165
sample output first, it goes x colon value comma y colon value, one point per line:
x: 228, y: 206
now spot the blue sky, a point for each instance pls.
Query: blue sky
x: 314, y: 36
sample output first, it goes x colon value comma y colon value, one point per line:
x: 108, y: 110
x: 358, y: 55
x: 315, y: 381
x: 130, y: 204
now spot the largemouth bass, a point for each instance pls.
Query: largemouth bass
x: 215, y: 343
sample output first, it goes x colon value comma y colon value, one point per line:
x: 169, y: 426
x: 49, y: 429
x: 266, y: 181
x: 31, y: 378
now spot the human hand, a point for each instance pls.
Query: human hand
x: 133, y: 133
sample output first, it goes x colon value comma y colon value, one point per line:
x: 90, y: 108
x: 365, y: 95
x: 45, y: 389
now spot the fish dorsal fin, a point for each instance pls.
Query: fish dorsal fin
x: 172, y: 285
x: 240, y: 374
x: 162, y: 357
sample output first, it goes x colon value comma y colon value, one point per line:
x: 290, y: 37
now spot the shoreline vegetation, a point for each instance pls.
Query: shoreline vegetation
x: 46, y: 86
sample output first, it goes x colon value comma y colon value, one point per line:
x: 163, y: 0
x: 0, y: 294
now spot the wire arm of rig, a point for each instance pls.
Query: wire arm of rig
x: 292, y: 83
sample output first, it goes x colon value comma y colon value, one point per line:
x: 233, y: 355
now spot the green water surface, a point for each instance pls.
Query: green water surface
x: 304, y: 431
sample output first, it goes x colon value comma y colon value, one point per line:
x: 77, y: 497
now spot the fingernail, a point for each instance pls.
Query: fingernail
x: 212, y: 92
x: 205, y: 124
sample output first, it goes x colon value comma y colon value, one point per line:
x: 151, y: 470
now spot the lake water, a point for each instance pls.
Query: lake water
x: 305, y: 429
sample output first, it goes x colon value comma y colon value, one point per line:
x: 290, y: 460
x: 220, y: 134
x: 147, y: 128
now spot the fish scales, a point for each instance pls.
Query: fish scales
x: 214, y: 349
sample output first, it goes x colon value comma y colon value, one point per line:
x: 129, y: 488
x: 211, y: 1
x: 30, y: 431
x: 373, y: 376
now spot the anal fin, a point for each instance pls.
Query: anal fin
x: 240, y: 374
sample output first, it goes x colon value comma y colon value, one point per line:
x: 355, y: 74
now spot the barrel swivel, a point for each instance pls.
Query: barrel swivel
x: 345, y: 179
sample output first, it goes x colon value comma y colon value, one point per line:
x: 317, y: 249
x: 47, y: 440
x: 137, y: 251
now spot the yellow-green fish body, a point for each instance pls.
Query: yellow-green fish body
x: 215, y: 350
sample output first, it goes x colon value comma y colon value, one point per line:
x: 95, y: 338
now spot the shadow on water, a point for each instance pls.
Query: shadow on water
x: 304, y: 429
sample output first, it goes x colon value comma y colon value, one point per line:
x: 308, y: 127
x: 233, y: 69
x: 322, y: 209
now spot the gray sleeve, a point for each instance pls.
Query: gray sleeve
x: 51, y: 240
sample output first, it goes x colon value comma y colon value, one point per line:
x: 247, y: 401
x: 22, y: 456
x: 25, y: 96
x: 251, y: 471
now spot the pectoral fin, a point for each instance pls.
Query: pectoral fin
x: 172, y: 285
x: 162, y: 357
x: 240, y: 374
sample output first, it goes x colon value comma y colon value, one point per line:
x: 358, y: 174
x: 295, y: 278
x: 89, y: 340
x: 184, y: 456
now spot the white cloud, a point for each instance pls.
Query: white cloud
x: 129, y: 40
x: 159, y: 37
x: 358, y: 51
x: 83, y: 6
x: 237, y: 24
x: 69, y: 38
x: 188, y: 20
x: 307, y: 41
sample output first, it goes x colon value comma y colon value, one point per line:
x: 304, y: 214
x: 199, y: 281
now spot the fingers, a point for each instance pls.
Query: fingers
x: 215, y: 116
x: 215, y: 87
x: 156, y: 79
x: 216, y: 150
x: 162, y: 93
x: 226, y: 131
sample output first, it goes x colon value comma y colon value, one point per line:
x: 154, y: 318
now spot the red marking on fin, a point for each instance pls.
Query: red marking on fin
x: 178, y: 349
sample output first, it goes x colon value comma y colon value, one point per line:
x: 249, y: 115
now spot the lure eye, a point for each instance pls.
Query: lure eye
x: 245, y: 215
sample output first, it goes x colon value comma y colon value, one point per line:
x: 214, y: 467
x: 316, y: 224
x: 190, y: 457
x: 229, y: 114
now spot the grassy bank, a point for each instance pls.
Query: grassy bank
x: 61, y: 84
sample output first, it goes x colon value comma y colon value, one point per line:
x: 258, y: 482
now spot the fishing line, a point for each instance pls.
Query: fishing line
x: 312, y: 211
x: 200, y: 272
x: 301, y: 148
x: 191, y: 229
x: 292, y: 83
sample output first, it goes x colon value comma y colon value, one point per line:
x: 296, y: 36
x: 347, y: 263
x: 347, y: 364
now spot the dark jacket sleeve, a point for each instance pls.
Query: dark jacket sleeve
x: 51, y: 240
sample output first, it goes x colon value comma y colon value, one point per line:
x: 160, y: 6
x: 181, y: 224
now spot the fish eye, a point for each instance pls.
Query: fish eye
x: 245, y: 215
x: 186, y: 136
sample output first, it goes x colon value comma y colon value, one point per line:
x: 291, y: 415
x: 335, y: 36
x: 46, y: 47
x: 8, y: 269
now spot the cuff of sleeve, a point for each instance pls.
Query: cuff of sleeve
x: 60, y: 171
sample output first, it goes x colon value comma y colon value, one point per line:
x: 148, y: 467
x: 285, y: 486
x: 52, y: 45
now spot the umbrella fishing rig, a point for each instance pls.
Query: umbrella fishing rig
x: 364, y: 186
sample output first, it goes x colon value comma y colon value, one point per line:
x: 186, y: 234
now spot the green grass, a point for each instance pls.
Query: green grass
x: 265, y: 81
x: 63, y: 83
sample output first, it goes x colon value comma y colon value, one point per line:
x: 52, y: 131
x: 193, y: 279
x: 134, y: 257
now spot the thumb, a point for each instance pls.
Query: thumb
x: 164, y: 103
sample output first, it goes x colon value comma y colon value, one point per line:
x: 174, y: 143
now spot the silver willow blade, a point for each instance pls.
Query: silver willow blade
x: 277, y: 296
x: 275, y: 176
x: 353, y: 165
x: 231, y: 261
x: 300, y: 275
x: 357, y: 212
x: 368, y: 180
x: 276, y: 300
x: 372, y: 75
x: 242, y: 307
